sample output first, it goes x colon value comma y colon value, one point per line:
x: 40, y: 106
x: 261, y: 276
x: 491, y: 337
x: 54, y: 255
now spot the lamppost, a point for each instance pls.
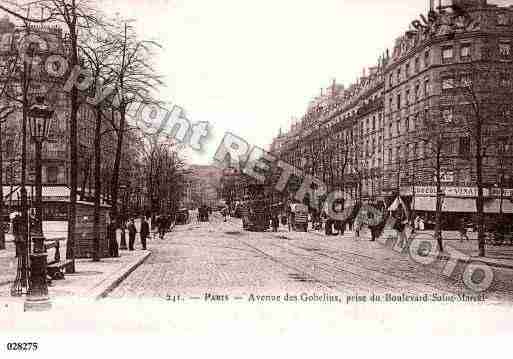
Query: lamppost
x: 40, y: 118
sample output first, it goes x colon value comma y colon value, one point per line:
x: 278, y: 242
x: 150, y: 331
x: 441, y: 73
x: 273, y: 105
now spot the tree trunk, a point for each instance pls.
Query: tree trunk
x: 117, y: 164
x: 97, y: 185
x: 2, y: 233
x: 70, y: 245
x: 479, y: 183
x: 438, y: 220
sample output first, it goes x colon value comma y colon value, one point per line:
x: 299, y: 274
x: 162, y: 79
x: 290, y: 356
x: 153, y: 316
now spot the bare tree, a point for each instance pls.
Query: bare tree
x: 135, y: 78
x: 77, y: 17
x: 480, y: 96
x: 437, y: 135
x: 98, y: 53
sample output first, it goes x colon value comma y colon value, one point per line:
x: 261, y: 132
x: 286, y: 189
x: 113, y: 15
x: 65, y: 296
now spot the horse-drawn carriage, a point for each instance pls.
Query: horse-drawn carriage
x: 182, y: 216
x: 203, y: 214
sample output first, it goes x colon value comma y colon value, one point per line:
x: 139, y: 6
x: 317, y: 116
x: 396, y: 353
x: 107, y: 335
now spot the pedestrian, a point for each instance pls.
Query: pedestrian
x: 356, y: 229
x: 341, y: 227
x: 328, y: 228
x: 144, y: 232
x: 131, y: 234
x: 463, y: 230
x: 161, y: 225
x: 224, y: 212
x: 275, y: 221
x: 113, y: 243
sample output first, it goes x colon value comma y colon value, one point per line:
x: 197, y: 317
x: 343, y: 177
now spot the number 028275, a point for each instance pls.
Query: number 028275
x: 22, y: 347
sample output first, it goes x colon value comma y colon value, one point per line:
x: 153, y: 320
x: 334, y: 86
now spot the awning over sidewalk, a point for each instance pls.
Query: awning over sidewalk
x: 49, y: 193
x: 493, y: 206
x: 462, y: 205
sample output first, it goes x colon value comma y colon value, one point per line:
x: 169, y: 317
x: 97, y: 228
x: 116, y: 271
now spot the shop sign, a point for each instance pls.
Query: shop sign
x: 453, y: 191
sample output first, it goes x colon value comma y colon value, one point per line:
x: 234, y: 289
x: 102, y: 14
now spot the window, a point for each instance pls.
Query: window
x: 399, y: 101
x: 390, y: 104
x: 9, y: 147
x: 52, y: 173
x: 391, y: 80
x: 503, y: 146
x: 417, y: 91
x: 417, y: 64
x: 398, y: 75
x: 407, y: 98
x: 464, y: 146
x: 407, y: 69
x: 447, y: 54
x: 505, y: 81
x: 447, y: 115
x: 465, y: 52
x: 398, y: 126
x: 502, y: 19
x: 466, y: 81
x: 426, y: 88
x: 407, y: 124
x: 390, y: 130
x: 427, y: 58
x: 504, y: 49
x: 447, y: 84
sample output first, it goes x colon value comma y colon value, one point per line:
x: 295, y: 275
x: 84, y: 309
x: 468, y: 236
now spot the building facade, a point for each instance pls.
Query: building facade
x: 55, y: 150
x: 448, y: 76
x: 202, y: 186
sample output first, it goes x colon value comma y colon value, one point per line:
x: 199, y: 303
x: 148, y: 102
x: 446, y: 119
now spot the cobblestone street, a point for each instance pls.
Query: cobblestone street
x: 218, y: 258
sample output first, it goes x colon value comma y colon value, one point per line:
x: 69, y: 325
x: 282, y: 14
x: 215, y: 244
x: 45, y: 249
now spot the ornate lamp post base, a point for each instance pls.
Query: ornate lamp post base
x: 42, y: 304
x: 21, y: 283
x: 37, y: 296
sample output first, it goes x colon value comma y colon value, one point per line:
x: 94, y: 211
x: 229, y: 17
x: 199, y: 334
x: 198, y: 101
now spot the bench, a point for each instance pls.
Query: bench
x: 55, y: 267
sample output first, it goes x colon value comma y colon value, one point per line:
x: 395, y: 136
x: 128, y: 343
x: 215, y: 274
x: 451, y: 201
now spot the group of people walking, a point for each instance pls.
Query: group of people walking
x: 163, y: 224
x: 144, y: 233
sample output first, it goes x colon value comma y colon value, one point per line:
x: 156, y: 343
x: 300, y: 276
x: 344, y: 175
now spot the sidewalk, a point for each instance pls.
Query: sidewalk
x: 92, y: 280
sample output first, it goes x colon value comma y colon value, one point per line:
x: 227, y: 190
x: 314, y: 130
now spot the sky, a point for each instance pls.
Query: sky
x: 249, y: 66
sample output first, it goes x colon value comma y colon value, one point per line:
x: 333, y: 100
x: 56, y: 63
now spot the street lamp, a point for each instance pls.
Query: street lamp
x: 40, y: 118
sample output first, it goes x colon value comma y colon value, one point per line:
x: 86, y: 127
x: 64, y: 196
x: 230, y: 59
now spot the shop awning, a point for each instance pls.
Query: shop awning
x: 493, y: 206
x: 49, y: 193
x: 462, y: 205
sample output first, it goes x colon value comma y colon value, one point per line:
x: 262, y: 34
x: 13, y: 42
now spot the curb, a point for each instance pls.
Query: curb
x: 492, y: 264
x: 441, y: 257
x: 116, y: 281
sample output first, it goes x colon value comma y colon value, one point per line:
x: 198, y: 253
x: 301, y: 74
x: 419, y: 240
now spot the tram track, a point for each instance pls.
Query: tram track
x: 341, y: 266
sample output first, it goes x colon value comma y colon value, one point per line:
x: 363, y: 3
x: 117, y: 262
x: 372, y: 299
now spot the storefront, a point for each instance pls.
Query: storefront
x: 55, y: 200
x: 458, y: 203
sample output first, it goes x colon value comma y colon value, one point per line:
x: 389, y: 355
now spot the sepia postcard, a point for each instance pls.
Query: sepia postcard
x: 233, y: 169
